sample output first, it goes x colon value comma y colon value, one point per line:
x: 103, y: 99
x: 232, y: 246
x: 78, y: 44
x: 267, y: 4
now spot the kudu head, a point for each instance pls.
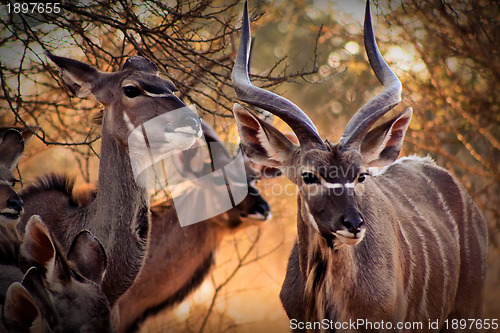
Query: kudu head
x: 58, y: 293
x: 131, y: 97
x: 331, y: 177
x: 12, y: 141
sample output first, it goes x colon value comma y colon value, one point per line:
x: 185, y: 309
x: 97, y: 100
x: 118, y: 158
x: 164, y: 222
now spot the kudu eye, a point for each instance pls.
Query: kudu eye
x: 310, y: 178
x: 131, y: 91
x: 362, y: 177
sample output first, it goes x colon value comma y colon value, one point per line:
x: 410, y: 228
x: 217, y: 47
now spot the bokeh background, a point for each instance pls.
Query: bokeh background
x: 446, y: 54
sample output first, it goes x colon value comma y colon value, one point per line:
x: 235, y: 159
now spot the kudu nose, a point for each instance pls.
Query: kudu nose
x: 15, y: 204
x: 261, y: 207
x: 353, y: 223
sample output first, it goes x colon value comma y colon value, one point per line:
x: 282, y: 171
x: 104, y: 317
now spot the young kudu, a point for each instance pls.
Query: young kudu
x: 179, y: 258
x: 58, y: 293
x: 404, y: 244
x: 119, y: 214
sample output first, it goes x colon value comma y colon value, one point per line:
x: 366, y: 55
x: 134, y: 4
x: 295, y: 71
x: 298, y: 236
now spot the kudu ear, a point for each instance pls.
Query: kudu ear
x: 381, y: 145
x: 261, y: 141
x: 11, y: 148
x: 266, y: 172
x: 88, y: 256
x: 39, y: 249
x: 78, y: 76
x: 20, y: 312
x: 28, y: 132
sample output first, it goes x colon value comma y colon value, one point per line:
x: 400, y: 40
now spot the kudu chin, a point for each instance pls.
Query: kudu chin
x: 403, y: 243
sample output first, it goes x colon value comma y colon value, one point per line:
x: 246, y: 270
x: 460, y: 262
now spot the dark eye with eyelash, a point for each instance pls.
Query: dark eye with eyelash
x: 310, y: 178
x: 362, y: 177
x: 131, y: 91
x: 14, y: 182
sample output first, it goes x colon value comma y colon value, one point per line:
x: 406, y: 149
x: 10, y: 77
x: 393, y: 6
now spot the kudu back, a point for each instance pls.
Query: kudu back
x: 379, y: 238
x: 179, y: 258
x: 119, y: 214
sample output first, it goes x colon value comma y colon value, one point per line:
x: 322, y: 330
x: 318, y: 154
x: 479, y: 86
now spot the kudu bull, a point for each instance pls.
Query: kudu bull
x: 404, y: 244
x: 119, y: 214
x: 179, y: 258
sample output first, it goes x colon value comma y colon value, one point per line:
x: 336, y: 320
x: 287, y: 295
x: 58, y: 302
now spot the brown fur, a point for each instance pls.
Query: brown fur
x: 11, y: 147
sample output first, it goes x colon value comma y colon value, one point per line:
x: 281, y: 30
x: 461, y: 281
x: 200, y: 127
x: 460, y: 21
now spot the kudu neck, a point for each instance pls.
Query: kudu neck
x: 116, y: 180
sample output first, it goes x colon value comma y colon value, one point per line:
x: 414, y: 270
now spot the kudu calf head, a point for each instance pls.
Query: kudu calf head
x: 11, y: 148
x: 330, y: 177
x: 137, y: 87
x: 58, y: 293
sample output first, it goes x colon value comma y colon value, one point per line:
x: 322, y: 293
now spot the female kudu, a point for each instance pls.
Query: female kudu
x: 119, y: 215
x: 52, y: 296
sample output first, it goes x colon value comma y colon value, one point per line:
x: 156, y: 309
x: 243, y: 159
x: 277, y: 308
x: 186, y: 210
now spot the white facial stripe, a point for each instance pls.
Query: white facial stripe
x: 309, y: 217
x: 349, y: 185
x: 150, y: 94
x: 337, y: 185
x: 332, y: 185
x: 11, y: 211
